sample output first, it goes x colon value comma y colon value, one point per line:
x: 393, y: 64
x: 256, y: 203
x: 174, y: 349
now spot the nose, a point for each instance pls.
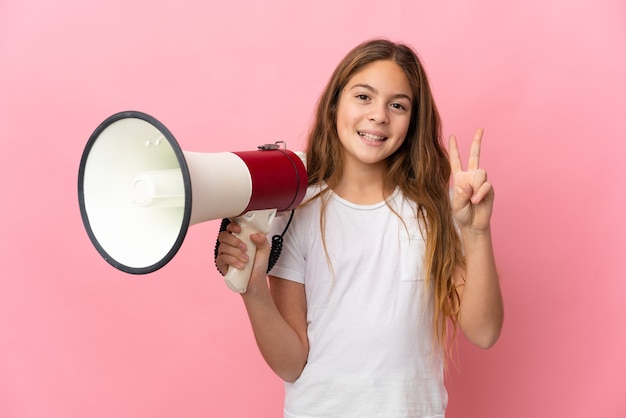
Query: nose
x: 378, y: 114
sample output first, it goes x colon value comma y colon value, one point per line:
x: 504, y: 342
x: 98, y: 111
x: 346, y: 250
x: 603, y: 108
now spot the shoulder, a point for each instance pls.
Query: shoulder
x: 314, y: 192
x: 405, y: 206
x: 312, y: 201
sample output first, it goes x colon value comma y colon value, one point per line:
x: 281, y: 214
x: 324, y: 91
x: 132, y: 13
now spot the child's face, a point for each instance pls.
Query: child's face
x: 374, y: 112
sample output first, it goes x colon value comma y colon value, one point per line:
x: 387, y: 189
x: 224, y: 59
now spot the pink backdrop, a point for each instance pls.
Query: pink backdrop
x: 79, y: 338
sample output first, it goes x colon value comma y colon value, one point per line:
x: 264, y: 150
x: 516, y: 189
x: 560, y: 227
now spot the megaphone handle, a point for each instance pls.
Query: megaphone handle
x: 250, y: 223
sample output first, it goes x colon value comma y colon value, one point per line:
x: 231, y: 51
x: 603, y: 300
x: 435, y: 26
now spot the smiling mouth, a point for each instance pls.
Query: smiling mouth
x: 372, y: 138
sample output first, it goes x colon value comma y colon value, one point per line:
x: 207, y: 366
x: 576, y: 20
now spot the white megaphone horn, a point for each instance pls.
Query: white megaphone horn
x: 139, y: 192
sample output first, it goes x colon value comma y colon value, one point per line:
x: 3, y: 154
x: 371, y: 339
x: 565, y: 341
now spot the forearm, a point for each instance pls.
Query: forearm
x: 277, y: 315
x: 481, y: 311
x: 281, y: 346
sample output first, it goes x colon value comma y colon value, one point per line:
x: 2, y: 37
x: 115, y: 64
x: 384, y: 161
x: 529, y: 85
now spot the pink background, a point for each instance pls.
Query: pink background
x: 546, y: 79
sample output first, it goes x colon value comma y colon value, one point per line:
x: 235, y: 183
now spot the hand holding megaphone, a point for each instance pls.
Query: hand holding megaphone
x: 250, y: 223
x: 139, y: 192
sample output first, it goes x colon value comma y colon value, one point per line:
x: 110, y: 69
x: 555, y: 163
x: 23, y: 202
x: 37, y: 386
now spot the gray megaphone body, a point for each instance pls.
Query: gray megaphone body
x: 139, y: 192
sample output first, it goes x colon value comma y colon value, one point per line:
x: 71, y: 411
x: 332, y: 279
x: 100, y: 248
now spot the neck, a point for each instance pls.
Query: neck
x: 361, y: 185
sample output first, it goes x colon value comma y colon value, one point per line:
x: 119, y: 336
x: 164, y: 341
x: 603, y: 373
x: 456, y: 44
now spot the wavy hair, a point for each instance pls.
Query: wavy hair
x: 420, y: 168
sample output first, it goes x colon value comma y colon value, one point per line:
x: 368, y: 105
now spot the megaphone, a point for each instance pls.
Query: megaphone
x: 139, y: 192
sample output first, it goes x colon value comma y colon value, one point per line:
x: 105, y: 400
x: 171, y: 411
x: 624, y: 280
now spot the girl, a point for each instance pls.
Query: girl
x: 379, y: 257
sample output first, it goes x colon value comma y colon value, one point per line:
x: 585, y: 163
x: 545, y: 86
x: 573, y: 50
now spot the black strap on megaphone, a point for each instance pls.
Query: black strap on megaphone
x: 277, y: 243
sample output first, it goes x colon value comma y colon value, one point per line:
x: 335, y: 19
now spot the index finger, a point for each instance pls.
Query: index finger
x: 455, y: 158
x: 474, y: 157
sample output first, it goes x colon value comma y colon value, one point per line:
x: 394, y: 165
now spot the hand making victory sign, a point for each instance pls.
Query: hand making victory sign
x: 481, y: 307
x: 472, y: 196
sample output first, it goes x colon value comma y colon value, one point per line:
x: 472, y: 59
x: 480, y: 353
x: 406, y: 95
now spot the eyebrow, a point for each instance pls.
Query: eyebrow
x: 373, y: 90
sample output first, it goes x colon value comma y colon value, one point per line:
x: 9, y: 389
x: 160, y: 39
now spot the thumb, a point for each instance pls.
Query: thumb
x: 262, y: 253
x: 461, y: 196
x: 260, y: 240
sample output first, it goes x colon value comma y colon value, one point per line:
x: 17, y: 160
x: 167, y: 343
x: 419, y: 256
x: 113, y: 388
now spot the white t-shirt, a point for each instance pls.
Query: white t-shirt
x: 369, y: 313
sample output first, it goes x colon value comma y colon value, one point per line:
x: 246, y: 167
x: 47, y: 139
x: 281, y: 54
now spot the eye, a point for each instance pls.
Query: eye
x: 398, y: 106
x: 362, y: 97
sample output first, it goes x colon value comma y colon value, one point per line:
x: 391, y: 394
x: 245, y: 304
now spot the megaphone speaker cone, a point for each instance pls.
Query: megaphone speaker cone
x: 134, y: 192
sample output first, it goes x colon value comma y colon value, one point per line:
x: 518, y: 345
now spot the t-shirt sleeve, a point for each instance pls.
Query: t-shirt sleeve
x: 291, y: 263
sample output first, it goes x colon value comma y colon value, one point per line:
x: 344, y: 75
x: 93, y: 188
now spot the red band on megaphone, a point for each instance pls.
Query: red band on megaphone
x: 279, y: 179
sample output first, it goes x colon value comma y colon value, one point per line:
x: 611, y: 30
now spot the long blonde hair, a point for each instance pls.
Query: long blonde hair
x: 420, y: 168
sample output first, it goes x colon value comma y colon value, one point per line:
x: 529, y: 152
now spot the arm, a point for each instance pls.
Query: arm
x: 277, y: 313
x: 481, y: 310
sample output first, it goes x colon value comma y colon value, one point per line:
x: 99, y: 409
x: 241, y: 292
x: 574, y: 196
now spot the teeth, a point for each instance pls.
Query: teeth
x: 371, y: 137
